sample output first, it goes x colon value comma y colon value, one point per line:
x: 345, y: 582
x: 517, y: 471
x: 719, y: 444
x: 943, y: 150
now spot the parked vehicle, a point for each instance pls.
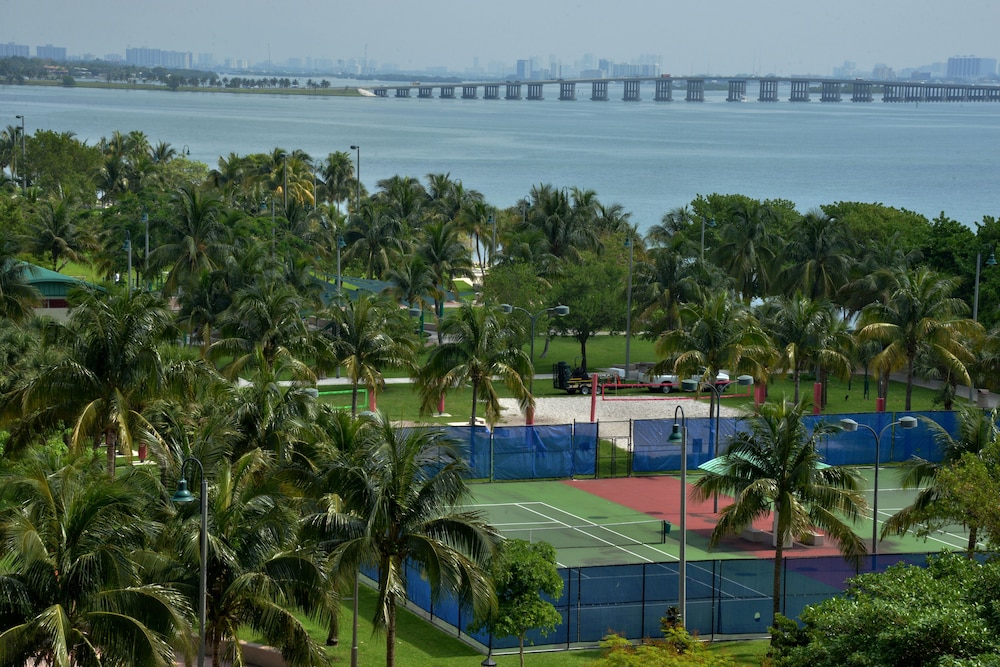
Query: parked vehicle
x: 667, y: 382
x: 577, y: 380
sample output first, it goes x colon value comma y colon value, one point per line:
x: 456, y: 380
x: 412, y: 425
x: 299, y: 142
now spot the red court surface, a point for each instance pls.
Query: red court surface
x: 659, y: 497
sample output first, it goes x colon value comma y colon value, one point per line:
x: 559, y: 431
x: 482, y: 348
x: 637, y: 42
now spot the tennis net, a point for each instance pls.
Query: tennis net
x: 562, y: 536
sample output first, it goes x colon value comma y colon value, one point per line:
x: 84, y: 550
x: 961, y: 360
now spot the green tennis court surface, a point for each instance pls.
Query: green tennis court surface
x: 619, y: 521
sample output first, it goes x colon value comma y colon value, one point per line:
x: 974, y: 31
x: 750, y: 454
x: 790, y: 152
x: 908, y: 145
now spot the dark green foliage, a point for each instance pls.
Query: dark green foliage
x: 907, y: 617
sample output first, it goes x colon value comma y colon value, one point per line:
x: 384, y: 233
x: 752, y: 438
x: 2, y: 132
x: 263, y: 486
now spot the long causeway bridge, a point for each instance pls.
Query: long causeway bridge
x: 663, y: 89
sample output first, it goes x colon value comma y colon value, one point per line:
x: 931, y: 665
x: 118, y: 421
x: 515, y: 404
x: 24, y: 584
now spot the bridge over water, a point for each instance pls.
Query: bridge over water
x: 693, y: 89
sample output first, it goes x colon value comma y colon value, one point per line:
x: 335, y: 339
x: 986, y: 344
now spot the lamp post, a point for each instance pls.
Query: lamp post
x: 182, y: 495
x: 741, y: 381
x: 851, y: 426
x: 561, y: 311
x: 185, y: 151
x: 24, y: 158
x: 284, y: 184
x: 493, y: 248
x: 357, y: 179
x: 628, y: 306
x: 679, y: 436
x: 145, y: 265
x: 711, y: 224
x: 991, y: 261
x: 128, y: 249
x: 341, y: 244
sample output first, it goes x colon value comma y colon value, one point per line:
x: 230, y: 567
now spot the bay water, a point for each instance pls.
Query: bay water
x: 648, y: 156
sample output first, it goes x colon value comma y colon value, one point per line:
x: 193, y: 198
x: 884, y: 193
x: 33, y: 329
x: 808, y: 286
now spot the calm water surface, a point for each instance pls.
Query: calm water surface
x: 650, y: 157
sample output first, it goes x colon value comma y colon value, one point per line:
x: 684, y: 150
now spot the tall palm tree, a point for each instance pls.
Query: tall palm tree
x: 73, y: 592
x: 478, y: 349
x: 808, y: 335
x: 257, y: 576
x: 112, y: 370
x: 371, y: 334
x: 747, y: 249
x: 17, y: 297
x: 399, y: 504
x: 719, y: 333
x: 337, y: 174
x: 977, y: 430
x: 374, y: 237
x: 446, y: 257
x: 55, y: 233
x: 195, y: 240
x: 918, y: 310
x: 818, y: 256
x: 775, y: 467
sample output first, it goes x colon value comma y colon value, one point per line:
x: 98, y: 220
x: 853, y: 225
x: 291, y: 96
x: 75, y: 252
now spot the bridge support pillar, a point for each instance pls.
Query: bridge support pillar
x: 535, y: 91
x: 768, y: 91
x: 800, y: 91
x: 831, y: 91
x: 599, y: 91
x: 513, y: 91
x: 491, y: 91
x: 425, y: 92
x: 567, y: 90
x: 737, y: 90
x: 381, y: 92
x: 631, y: 88
x: 664, y: 90
x: 402, y: 92
x: 469, y: 92
x: 695, y: 90
x: 862, y: 92
x: 447, y: 92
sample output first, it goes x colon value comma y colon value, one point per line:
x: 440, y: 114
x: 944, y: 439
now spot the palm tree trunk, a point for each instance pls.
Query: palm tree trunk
x: 475, y: 400
x: 970, y: 550
x: 390, y: 636
x: 909, y: 383
x: 779, y: 553
x: 797, y: 380
x: 354, y: 398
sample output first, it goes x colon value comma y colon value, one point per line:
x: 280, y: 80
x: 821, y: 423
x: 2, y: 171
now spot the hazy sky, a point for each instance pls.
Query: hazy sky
x: 717, y: 36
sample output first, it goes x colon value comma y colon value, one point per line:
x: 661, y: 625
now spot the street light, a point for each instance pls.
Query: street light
x: 717, y: 389
x: 851, y: 426
x: 711, y: 224
x: 145, y: 265
x: 128, y: 249
x: 341, y: 244
x: 561, y: 311
x: 185, y: 151
x: 679, y: 436
x: 182, y: 495
x: 628, y: 305
x: 284, y: 186
x: 493, y: 248
x: 24, y: 158
x: 357, y: 178
x: 991, y: 261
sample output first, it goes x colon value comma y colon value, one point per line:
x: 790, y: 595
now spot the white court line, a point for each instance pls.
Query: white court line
x: 595, y: 525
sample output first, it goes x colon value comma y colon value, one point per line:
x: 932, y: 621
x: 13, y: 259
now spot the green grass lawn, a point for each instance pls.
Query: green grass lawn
x: 421, y: 643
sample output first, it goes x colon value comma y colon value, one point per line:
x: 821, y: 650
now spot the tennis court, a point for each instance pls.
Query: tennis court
x: 621, y: 521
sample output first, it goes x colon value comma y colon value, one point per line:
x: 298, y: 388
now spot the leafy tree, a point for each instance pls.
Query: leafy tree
x: 55, y: 233
x: 17, y: 297
x: 522, y: 572
x: 400, y: 498
x: 818, y: 257
x: 908, y: 616
x: 478, y: 349
x: 774, y: 467
x: 594, y: 290
x: 933, y: 507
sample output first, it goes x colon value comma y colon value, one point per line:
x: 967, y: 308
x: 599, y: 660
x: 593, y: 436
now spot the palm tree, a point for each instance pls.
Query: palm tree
x: 977, y: 430
x: 478, y: 349
x: 371, y: 334
x: 337, y: 173
x: 73, y: 592
x: 447, y: 258
x: 775, y: 467
x: 918, y: 310
x: 747, y: 248
x: 17, y: 297
x: 56, y: 234
x: 399, y: 498
x: 257, y: 576
x: 808, y: 335
x: 110, y: 372
x: 720, y: 333
x: 374, y: 238
x: 195, y: 240
x: 819, y: 256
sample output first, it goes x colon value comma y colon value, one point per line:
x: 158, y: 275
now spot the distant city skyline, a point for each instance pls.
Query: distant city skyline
x: 715, y: 37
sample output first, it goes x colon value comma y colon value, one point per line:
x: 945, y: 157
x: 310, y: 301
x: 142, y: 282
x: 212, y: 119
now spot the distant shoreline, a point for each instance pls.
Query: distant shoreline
x: 338, y: 91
